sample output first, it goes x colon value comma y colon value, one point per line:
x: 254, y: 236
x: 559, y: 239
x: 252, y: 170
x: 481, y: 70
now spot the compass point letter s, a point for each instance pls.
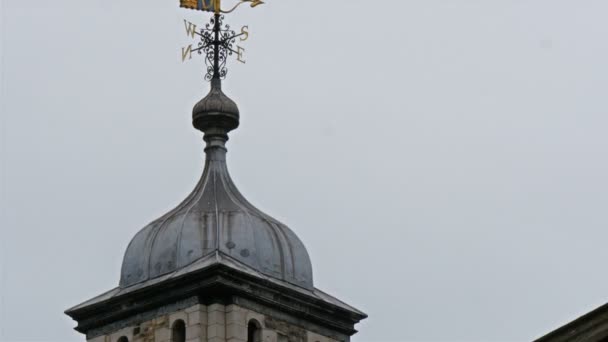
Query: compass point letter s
x: 244, y: 33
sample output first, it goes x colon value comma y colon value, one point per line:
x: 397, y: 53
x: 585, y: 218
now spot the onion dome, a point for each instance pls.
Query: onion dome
x: 215, y: 110
x: 216, y: 219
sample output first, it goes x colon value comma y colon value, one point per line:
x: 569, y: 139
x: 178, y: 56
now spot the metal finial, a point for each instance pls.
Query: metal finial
x: 217, y: 41
x: 216, y: 114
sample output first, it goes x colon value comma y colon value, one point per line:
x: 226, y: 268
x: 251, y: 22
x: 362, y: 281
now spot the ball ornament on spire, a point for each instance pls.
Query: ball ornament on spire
x: 216, y: 114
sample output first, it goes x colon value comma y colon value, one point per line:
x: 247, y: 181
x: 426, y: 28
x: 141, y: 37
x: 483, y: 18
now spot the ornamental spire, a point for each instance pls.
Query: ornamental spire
x: 216, y: 114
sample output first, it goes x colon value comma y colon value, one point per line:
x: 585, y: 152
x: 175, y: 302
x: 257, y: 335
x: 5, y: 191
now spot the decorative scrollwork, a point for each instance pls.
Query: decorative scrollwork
x: 217, y: 43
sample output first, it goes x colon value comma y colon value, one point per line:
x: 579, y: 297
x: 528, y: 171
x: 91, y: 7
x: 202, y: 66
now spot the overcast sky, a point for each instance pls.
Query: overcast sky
x: 444, y: 161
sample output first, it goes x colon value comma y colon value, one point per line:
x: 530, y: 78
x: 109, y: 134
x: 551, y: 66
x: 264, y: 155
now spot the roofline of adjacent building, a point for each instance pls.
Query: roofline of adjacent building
x: 588, y: 327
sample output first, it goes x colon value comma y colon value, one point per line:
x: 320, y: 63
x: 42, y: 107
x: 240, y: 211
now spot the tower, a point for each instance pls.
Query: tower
x: 215, y: 268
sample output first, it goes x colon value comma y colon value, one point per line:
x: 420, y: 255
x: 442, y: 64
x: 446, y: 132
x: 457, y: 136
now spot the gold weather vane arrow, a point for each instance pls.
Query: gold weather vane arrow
x: 253, y: 3
x: 215, y: 5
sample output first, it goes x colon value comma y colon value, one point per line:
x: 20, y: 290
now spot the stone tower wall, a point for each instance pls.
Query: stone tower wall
x: 214, y: 323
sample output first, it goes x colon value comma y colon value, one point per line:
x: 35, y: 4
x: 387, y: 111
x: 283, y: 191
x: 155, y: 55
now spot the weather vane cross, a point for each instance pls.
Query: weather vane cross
x: 216, y: 40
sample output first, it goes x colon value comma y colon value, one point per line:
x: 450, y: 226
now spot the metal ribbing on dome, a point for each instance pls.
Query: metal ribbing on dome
x: 216, y: 218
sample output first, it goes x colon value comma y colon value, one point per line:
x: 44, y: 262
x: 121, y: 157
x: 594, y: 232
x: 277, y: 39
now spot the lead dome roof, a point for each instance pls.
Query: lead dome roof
x: 216, y: 218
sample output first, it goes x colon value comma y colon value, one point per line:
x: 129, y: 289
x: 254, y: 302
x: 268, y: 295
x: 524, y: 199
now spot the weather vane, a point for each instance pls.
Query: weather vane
x: 216, y: 40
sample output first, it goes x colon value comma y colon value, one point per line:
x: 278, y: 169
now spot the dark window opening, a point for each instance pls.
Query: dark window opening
x: 123, y: 339
x: 178, y: 332
x: 254, y: 331
x: 136, y: 330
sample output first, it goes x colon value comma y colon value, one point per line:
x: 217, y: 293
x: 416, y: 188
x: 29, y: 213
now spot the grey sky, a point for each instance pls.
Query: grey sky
x: 452, y: 154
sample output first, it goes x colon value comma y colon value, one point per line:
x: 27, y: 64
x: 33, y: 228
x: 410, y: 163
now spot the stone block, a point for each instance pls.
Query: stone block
x: 98, y: 339
x: 235, y: 340
x: 194, y: 308
x: 162, y: 321
x: 236, y: 316
x: 216, y: 331
x: 314, y: 337
x: 194, y: 317
x: 162, y: 334
x: 216, y: 317
x: 269, y: 335
x: 193, y: 332
x: 236, y: 331
x: 216, y: 307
